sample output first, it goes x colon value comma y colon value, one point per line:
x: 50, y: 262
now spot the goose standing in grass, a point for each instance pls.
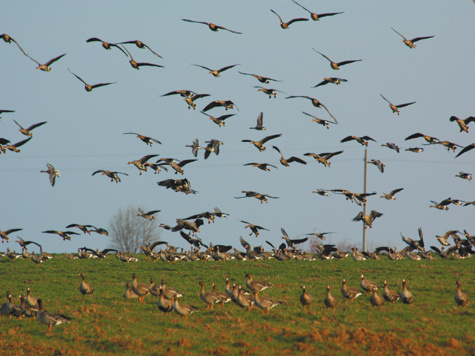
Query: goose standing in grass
x: 255, y: 285
x: 330, y: 301
x: 406, y: 296
x: 266, y: 304
x: 170, y: 292
x: 242, y: 300
x: 26, y: 310
x: 165, y: 305
x: 183, y: 309
x: 389, y: 294
x: 7, y: 309
x: 208, y: 297
x: 84, y: 287
x: 367, y: 285
x: 461, y: 298
x: 349, y: 293
x: 50, y: 319
x: 129, y: 293
x: 306, y: 299
x: 223, y: 297
x: 140, y: 289
x: 376, y: 300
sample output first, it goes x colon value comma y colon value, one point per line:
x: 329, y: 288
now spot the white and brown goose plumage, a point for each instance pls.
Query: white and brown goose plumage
x: 389, y: 294
x: 306, y: 299
x: 50, y: 319
x: 461, y: 298
x: 406, y: 296
x: 84, y: 287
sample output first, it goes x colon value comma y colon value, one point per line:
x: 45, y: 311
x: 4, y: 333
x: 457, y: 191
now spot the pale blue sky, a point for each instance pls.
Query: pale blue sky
x: 85, y: 130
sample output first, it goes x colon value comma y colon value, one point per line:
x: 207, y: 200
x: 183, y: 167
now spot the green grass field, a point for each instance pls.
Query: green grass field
x: 108, y: 324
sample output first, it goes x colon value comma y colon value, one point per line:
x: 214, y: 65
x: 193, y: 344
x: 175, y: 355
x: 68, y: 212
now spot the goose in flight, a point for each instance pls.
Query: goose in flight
x: 137, y: 65
x: 89, y: 87
x: 52, y: 173
x: 314, y: 16
x: 141, y: 45
x: 46, y: 66
x: 260, y: 144
x: 9, y: 39
x: 336, y: 65
x: 113, y: 175
x: 148, y: 140
x: 106, y: 45
x: 395, y: 108
x: 315, y: 102
x: 260, y: 123
x: 216, y: 72
x: 410, y: 43
x: 27, y: 131
x: 286, y: 162
x: 260, y: 78
x: 285, y: 25
x: 212, y: 26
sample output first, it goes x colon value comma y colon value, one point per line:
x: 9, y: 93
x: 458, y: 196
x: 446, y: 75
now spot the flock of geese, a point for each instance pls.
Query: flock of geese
x: 151, y: 162
x: 247, y: 298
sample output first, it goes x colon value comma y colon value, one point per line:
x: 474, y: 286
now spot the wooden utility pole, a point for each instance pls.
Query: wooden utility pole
x: 364, y: 191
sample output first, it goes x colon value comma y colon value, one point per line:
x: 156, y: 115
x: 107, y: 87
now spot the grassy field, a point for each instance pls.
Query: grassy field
x: 108, y: 324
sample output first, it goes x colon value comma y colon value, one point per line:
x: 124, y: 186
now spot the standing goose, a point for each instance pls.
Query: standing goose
x: 330, y: 301
x: 183, y: 309
x: 314, y: 16
x: 165, y: 305
x: 27, y: 131
x: 306, y: 299
x: 89, y: 87
x: 395, y: 108
x: 26, y: 310
x: 410, y: 43
x: 170, y: 292
x: 285, y: 25
x: 367, y: 285
x: 50, y: 319
x: 140, y: 289
x: 212, y: 26
x: 266, y: 304
x: 460, y: 297
x: 223, y: 297
x: 376, y: 300
x: 406, y: 296
x: 242, y: 300
x: 31, y: 301
x: 140, y: 45
x: 349, y: 293
x: 129, y: 293
x: 46, y: 66
x: 84, y: 287
x: 255, y: 285
x: 52, y: 172
x: 336, y: 65
x: 208, y: 297
x: 389, y: 294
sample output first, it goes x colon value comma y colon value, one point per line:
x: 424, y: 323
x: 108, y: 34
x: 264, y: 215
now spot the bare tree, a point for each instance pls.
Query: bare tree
x: 128, y: 231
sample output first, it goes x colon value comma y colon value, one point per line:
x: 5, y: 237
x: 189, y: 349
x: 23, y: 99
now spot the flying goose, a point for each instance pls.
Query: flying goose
x: 315, y: 102
x: 140, y: 45
x: 46, y: 66
x: 113, y: 175
x: 391, y: 196
x: 260, y: 144
x: 227, y: 104
x: 285, y: 25
x: 410, y: 43
x: 4, y: 234
x: 395, y: 108
x: 269, y: 91
x: 66, y: 235
x: 52, y: 172
x: 218, y: 120
x: 362, y: 140
x: 333, y: 80
x: 89, y: 87
x: 314, y: 16
x: 368, y: 219
x: 320, y: 121
x: 262, y: 166
x: 463, y: 124
x: 216, y: 72
x: 140, y: 163
x: 259, y: 196
x: 106, y: 45
x: 148, y: 215
x: 212, y: 26
x: 463, y: 175
x: 137, y: 65
x: 260, y: 78
x: 27, y: 131
x: 146, y: 139
x: 13, y: 147
x: 9, y: 39
x: 336, y: 65
x: 286, y: 162
x: 323, y: 157
x: 259, y: 126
